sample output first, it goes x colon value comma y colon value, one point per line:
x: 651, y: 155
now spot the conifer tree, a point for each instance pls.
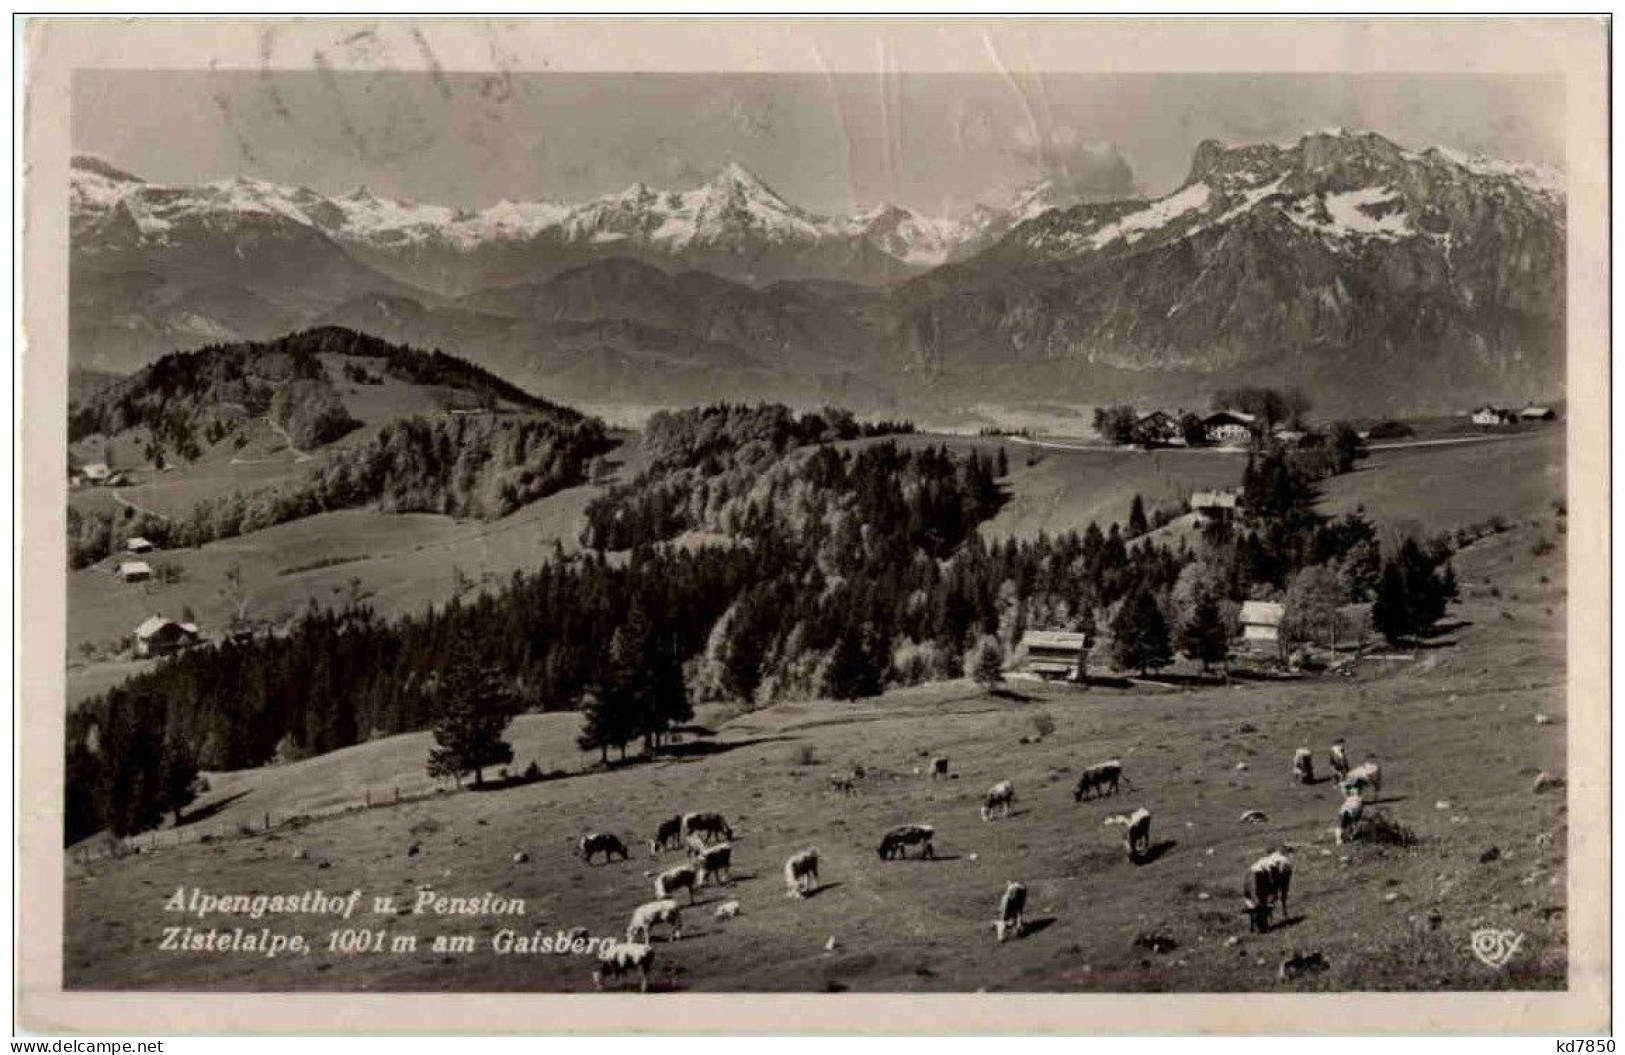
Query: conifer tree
x: 474, y: 712
x: 1140, y: 634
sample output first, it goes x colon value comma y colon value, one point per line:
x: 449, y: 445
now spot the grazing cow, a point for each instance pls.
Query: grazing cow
x: 715, y: 864
x: 708, y: 826
x: 672, y: 880
x: 1367, y: 774
x: 669, y: 836
x: 1100, y: 779
x: 896, y: 842
x: 651, y: 913
x: 1137, y: 836
x: 1340, y: 759
x: 1267, y: 883
x: 1348, y: 818
x: 999, y: 797
x: 619, y: 959
x: 1303, y: 765
x: 1012, y: 903
x: 939, y: 768
x: 601, y: 843
x: 801, y: 873
x: 845, y: 785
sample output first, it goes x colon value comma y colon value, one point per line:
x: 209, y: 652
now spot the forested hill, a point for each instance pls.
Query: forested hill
x: 849, y: 568
x: 187, y: 400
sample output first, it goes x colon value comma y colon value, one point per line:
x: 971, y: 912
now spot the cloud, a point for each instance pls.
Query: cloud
x: 1086, y: 168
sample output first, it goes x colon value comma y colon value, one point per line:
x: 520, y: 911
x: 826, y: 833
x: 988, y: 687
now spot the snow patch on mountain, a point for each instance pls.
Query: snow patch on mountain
x: 1158, y: 214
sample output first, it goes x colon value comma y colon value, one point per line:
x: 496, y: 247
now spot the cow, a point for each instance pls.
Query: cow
x: 601, y: 843
x: 1268, y: 881
x: 650, y: 913
x: 1137, y: 836
x: 669, y: 836
x: 1340, y: 759
x: 1012, y: 904
x: 939, y: 768
x: 672, y: 880
x: 844, y: 785
x: 896, y: 842
x: 715, y: 864
x: 999, y: 797
x: 801, y: 873
x: 618, y: 959
x: 1100, y: 779
x: 1303, y: 765
x: 1367, y: 774
x: 1348, y: 818
x: 708, y: 826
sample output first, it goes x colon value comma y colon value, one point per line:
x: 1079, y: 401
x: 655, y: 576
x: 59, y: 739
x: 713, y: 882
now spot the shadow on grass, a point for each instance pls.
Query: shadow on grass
x: 820, y: 888
x: 1154, y: 852
x: 1036, y: 926
x: 1014, y: 695
x: 203, y: 813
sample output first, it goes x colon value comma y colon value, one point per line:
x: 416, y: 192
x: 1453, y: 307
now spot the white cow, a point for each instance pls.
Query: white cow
x: 999, y: 797
x: 651, y: 913
x: 1012, y: 904
x: 801, y: 873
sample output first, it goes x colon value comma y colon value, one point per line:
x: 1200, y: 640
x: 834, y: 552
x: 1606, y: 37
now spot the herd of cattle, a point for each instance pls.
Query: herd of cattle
x: 709, y: 841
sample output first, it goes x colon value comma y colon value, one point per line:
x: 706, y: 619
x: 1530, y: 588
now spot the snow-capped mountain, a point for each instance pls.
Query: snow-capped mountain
x: 1372, y: 275
x: 1343, y: 261
x: 734, y: 224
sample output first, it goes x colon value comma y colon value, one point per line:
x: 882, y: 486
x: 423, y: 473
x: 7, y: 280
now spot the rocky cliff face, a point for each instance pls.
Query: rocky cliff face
x: 1425, y: 278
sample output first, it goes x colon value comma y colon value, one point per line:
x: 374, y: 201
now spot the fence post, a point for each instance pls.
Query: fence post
x: 267, y: 820
x: 367, y: 797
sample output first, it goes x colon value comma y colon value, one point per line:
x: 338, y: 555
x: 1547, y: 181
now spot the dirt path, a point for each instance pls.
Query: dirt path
x: 121, y: 500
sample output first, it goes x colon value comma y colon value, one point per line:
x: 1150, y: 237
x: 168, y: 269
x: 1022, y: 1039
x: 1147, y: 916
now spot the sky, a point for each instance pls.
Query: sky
x: 831, y: 143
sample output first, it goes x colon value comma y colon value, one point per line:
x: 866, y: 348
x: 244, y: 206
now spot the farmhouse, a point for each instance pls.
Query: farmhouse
x: 1536, y: 413
x: 1159, y: 428
x: 1214, y: 505
x: 1054, y: 654
x: 134, y: 570
x: 159, y: 636
x: 137, y: 544
x: 1261, y: 623
x: 1488, y: 415
x: 1228, y: 427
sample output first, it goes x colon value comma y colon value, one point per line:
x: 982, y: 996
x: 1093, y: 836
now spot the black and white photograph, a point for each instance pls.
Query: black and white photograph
x: 878, y: 525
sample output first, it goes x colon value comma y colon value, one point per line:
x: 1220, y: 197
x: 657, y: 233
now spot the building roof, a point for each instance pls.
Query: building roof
x: 153, y: 625
x: 136, y: 543
x: 1535, y: 412
x: 1228, y: 417
x: 1052, y: 639
x: 134, y: 567
x: 1213, y: 499
x: 1263, y: 613
x: 95, y: 469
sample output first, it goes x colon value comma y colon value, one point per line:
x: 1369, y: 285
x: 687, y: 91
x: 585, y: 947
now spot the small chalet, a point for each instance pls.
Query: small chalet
x: 134, y: 570
x: 1261, y: 623
x: 1534, y: 413
x: 1487, y: 415
x: 159, y: 636
x: 1230, y: 427
x: 1214, y: 505
x: 95, y: 472
x: 1054, y: 655
x: 137, y: 544
x: 1159, y: 429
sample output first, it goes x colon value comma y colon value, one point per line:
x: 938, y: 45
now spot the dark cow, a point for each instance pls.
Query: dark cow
x: 708, y: 826
x: 669, y: 836
x: 1100, y: 779
x: 896, y: 842
x: 602, y: 843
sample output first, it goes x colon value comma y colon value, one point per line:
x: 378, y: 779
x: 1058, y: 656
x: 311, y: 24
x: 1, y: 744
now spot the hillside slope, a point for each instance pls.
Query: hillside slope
x: 1382, y: 917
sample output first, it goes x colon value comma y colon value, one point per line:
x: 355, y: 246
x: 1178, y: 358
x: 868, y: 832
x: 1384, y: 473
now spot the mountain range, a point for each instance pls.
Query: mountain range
x: 1376, y: 276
